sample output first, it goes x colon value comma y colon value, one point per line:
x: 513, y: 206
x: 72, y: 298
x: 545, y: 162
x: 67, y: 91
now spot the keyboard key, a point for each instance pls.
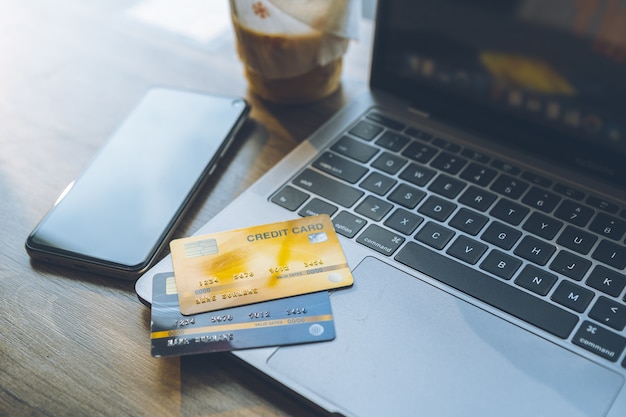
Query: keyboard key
x: 365, y: 130
x: 611, y: 254
x: 354, y: 149
x: 373, y: 208
x: 574, y: 212
x: 316, y: 207
x: 340, y: 167
x: 468, y: 221
x: 417, y: 175
x: 536, y: 179
x: 437, y: 208
x: 602, y: 204
x: 392, y: 141
x: 572, y: 296
x: 406, y: 195
x: 419, y: 152
x: 609, y: 313
x: 489, y: 290
x: 608, y: 226
x: 501, y: 235
x: 501, y: 264
x: 606, y: 280
x: 475, y: 155
x: 477, y: 198
x: 535, y: 250
x: 328, y: 188
x: 570, y: 265
x: 600, y: 341
x: 509, y: 186
x: 446, y: 186
x: 420, y: 134
x: 577, y: 240
x: 347, y: 224
x: 536, y: 280
x: 381, y: 240
x: 569, y: 192
x: 478, y: 174
x: 466, y: 249
x: 448, y: 146
x: 542, y: 226
x: 509, y: 211
x: 403, y: 221
x: 541, y: 199
x: 434, y: 235
x: 289, y: 198
x: 377, y: 183
x: 386, y: 121
x: 388, y: 163
x: 505, y: 167
x: 448, y: 163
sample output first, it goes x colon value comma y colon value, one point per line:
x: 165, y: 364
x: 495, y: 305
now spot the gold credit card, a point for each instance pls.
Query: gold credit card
x: 261, y: 263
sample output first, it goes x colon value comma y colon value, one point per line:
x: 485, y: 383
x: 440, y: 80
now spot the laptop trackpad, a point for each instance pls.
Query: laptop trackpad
x: 440, y: 356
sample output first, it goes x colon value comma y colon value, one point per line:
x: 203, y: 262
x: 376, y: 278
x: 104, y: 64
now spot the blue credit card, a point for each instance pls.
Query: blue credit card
x: 286, y: 321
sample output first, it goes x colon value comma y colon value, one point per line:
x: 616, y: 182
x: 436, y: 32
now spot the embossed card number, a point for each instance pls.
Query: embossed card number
x: 294, y: 320
x: 261, y: 263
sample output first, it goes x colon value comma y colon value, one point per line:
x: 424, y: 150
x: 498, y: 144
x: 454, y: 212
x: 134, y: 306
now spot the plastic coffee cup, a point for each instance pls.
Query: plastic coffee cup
x: 292, y: 50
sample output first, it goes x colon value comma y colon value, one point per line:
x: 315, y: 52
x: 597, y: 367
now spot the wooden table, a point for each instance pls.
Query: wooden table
x: 77, y: 344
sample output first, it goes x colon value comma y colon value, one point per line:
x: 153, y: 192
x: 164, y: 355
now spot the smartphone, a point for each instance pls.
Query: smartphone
x: 118, y: 214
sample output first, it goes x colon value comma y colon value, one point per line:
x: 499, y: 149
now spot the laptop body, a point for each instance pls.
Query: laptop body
x: 478, y: 190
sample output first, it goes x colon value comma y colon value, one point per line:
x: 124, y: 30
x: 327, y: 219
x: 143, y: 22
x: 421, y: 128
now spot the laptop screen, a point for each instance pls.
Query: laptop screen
x: 543, y: 74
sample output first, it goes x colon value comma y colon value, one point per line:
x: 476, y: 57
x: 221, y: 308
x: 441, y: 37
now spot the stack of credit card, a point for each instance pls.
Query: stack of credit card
x: 247, y: 288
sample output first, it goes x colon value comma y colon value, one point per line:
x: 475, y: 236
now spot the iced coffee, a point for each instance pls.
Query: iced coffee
x: 287, y: 59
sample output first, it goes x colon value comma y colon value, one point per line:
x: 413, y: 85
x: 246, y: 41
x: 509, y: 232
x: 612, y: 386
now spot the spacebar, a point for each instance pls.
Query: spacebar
x: 490, y: 290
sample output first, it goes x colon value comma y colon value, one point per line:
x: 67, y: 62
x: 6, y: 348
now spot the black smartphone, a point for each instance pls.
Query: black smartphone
x: 118, y: 214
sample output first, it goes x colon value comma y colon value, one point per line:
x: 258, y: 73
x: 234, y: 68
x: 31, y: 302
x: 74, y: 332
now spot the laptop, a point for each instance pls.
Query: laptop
x: 479, y: 193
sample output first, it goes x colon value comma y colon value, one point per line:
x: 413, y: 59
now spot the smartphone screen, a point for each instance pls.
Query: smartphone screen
x: 118, y: 213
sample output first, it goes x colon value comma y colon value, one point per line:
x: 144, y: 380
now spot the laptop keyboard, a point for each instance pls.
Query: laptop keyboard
x: 544, y: 252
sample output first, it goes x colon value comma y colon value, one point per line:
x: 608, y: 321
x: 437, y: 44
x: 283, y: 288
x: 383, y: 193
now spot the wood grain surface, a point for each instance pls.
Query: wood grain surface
x: 78, y: 344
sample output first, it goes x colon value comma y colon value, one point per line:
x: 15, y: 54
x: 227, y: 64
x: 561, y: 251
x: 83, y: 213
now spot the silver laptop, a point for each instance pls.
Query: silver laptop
x: 479, y: 192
